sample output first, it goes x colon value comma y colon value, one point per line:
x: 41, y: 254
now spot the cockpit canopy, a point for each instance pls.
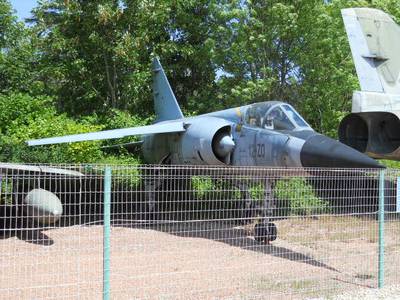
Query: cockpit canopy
x: 276, y: 116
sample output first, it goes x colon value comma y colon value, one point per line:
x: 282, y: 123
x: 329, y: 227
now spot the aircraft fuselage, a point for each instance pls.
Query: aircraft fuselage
x: 263, y: 134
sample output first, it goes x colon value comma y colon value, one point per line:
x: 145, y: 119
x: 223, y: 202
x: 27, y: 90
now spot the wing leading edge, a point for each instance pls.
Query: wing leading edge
x: 168, y: 127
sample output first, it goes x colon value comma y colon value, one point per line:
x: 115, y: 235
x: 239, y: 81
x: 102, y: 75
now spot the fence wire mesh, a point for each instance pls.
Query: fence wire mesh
x: 392, y: 227
x: 189, y: 232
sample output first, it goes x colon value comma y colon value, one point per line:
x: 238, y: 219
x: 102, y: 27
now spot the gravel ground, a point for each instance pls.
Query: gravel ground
x: 391, y: 292
x: 311, y: 259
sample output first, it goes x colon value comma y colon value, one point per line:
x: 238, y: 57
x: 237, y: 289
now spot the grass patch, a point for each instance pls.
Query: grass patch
x: 295, y: 286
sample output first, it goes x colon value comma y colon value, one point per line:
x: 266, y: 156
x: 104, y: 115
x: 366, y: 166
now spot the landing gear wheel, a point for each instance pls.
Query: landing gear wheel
x: 265, y: 232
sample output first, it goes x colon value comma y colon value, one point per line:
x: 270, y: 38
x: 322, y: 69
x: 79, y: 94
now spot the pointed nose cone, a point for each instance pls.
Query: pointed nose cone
x: 321, y: 151
x: 224, y: 146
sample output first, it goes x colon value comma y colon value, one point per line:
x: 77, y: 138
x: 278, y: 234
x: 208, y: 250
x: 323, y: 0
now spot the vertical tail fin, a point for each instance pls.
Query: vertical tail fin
x: 165, y: 103
x: 375, y: 44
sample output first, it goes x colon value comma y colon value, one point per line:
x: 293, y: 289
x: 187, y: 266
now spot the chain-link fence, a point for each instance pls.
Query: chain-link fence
x: 189, y: 232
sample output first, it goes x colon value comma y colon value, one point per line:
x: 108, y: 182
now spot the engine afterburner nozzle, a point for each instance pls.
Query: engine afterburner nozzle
x: 321, y: 151
x: 224, y: 146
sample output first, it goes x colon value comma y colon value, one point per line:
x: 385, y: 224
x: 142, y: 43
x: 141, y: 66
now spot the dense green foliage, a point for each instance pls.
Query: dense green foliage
x: 85, y: 65
x: 298, y: 197
x: 25, y: 117
x: 202, y: 185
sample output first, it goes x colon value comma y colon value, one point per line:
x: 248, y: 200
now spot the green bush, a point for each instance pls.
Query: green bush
x: 202, y: 186
x: 25, y: 117
x: 298, y: 197
x: 128, y: 176
x: 14, y: 147
x: 21, y: 109
x: 257, y: 192
x: 6, y: 190
x: 121, y: 119
x: 390, y: 163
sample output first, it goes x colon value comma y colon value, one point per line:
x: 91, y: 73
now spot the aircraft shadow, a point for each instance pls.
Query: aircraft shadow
x: 232, y: 236
x: 32, y: 236
x: 12, y: 226
x: 35, y: 236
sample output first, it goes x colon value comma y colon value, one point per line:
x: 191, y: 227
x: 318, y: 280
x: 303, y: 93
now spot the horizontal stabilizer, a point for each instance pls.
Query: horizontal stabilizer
x: 168, y: 127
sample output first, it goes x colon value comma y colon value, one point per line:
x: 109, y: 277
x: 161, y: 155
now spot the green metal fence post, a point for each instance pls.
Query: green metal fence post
x: 381, y: 220
x: 106, y: 233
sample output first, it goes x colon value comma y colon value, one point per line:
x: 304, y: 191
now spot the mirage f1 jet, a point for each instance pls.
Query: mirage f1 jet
x: 269, y: 134
x: 373, y: 126
x: 262, y: 134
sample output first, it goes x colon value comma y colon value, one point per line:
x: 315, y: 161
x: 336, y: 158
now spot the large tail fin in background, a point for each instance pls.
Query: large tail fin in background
x: 375, y: 44
x: 373, y: 126
x: 165, y: 104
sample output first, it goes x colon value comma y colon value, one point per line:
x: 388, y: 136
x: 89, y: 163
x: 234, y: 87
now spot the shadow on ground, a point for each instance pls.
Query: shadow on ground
x: 230, y: 235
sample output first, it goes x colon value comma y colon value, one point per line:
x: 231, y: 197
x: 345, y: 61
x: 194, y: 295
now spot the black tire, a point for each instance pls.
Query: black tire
x: 265, y: 232
x: 272, y: 232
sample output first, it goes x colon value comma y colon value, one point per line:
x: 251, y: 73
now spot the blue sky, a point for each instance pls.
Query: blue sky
x: 23, y: 7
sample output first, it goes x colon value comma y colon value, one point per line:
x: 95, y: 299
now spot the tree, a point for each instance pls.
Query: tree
x: 293, y: 51
x: 96, y: 55
x: 25, y: 117
x: 17, y: 55
x: 328, y: 76
x: 93, y: 57
x: 260, y: 63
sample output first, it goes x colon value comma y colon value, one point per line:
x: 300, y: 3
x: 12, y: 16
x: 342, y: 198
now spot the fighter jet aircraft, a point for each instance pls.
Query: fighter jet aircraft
x: 262, y: 134
x: 373, y: 126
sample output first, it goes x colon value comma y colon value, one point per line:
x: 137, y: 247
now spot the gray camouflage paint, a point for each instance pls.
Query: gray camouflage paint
x: 262, y: 134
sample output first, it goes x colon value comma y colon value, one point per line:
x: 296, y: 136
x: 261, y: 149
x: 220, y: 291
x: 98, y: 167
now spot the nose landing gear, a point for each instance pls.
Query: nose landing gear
x: 265, y: 232
x: 261, y: 209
